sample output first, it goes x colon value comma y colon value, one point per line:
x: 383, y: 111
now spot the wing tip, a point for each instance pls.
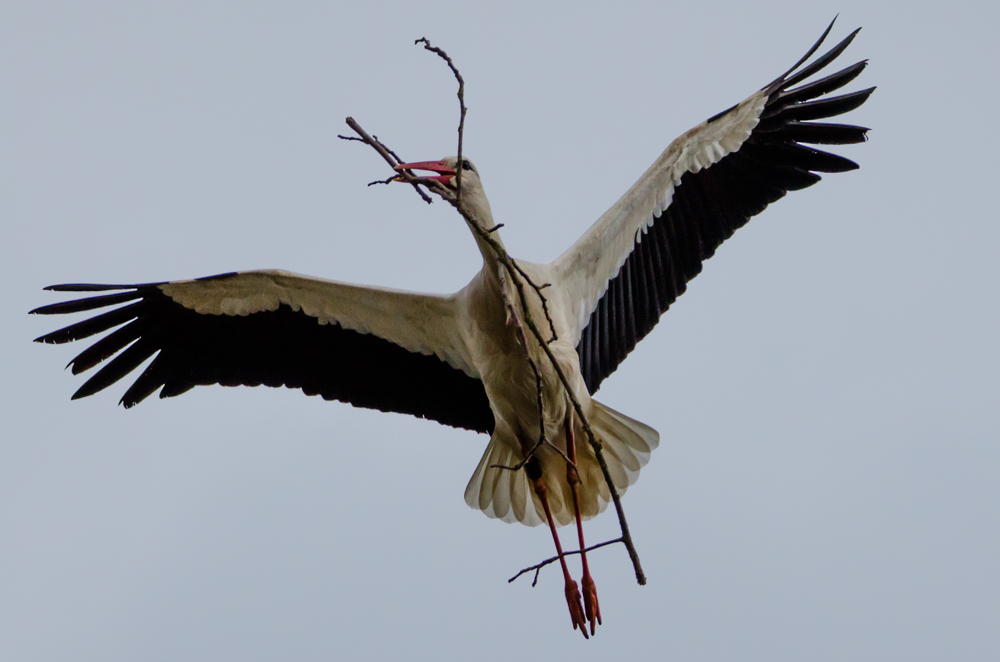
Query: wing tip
x: 52, y: 338
x: 48, y: 309
x: 90, y: 287
x: 783, y: 80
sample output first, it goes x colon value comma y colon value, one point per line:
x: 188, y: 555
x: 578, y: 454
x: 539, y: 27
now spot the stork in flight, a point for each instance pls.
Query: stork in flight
x: 456, y: 359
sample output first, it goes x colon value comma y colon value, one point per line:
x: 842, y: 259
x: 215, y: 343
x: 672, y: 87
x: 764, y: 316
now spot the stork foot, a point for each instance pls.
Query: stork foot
x: 590, y: 602
x: 576, y: 607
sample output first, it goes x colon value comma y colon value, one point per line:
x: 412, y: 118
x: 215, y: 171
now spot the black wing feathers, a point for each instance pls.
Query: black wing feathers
x: 711, y: 204
x: 818, y: 87
x: 822, y: 108
x: 273, y: 348
x: 91, y: 303
x: 92, y: 326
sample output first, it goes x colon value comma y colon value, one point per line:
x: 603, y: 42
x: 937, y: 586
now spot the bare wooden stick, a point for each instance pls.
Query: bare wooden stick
x: 595, y: 444
x: 516, y: 274
x: 538, y: 566
x: 384, y: 152
x: 508, y: 263
x: 542, y: 440
x: 515, y: 271
x: 394, y: 155
x: 463, y: 109
x: 545, y: 304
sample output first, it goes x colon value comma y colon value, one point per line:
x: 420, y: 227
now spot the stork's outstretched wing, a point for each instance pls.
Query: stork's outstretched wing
x: 375, y: 348
x: 637, y: 258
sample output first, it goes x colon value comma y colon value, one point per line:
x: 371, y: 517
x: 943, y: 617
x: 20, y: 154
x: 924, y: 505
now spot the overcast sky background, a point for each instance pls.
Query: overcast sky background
x: 826, y: 487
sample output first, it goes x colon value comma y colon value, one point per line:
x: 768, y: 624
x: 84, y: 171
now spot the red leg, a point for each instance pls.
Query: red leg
x: 572, y: 590
x: 573, y: 477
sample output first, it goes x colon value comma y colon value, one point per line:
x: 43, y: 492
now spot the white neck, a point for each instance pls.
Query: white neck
x: 477, y: 207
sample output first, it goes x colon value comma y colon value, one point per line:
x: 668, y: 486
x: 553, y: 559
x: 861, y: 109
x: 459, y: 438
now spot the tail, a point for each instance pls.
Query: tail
x: 509, y: 495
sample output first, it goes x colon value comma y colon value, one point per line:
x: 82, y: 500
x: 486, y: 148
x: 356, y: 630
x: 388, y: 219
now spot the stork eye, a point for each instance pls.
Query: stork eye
x: 466, y: 165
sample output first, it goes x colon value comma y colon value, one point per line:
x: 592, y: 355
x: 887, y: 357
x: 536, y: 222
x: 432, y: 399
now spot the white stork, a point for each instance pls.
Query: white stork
x: 456, y: 359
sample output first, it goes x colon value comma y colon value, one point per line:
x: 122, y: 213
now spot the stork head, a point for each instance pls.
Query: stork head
x: 448, y: 169
x: 473, y: 195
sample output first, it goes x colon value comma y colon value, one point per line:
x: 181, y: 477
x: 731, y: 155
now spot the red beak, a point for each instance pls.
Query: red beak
x: 447, y: 172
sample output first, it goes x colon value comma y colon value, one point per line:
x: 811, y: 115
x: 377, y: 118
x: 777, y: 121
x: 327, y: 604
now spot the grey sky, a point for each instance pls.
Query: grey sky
x: 826, y: 392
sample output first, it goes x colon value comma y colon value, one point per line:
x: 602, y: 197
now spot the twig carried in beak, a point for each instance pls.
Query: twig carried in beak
x: 384, y: 152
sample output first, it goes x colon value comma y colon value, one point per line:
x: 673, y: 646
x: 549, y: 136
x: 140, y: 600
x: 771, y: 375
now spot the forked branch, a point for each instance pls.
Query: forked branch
x: 538, y: 566
x: 389, y: 156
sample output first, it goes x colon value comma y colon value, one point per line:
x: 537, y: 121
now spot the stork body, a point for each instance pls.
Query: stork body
x: 458, y: 359
x: 510, y: 385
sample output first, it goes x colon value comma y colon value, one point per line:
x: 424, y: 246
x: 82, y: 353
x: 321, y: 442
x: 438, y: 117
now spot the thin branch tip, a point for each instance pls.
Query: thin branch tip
x: 461, y: 105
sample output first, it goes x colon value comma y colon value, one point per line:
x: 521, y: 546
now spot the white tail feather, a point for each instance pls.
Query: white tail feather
x: 509, y: 495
